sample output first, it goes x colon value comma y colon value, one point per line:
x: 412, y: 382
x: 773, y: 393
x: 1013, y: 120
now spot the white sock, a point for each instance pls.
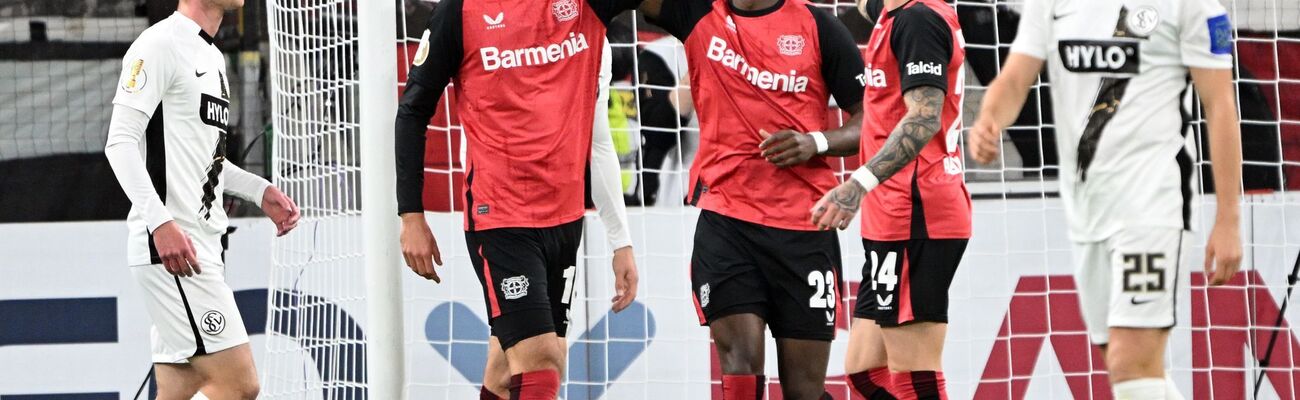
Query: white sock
x: 1171, y: 390
x: 1140, y: 389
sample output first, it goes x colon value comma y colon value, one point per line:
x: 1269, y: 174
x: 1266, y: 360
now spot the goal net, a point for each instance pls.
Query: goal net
x: 1015, y: 330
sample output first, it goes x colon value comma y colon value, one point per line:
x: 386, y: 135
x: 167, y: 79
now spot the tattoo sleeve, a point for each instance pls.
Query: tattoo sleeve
x: 922, y: 122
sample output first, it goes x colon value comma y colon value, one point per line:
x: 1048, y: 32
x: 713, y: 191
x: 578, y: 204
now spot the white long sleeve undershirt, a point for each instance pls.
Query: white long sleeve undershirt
x: 125, y: 131
x: 606, y: 184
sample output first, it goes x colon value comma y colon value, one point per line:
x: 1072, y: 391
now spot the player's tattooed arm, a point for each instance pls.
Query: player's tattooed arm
x: 913, y: 132
x: 922, y: 123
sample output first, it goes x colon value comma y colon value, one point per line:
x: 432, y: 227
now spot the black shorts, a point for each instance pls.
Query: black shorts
x: 789, y: 278
x: 907, y: 281
x: 524, y: 273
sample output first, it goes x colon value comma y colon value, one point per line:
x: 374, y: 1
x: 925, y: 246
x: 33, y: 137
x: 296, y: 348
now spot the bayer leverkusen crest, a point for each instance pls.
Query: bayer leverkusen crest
x: 790, y: 45
x: 564, y: 10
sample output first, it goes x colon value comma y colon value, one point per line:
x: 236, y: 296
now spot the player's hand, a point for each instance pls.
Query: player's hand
x: 419, y: 247
x: 176, y: 250
x: 625, y: 278
x: 1223, y: 252
x: 787, y: 148
x: 985, y: 137
x: 838, y: 207
x: 281, y: 209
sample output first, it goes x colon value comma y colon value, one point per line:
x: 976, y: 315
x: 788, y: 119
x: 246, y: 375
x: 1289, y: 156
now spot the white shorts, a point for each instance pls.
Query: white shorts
x: 1131, y: 280
x: 192, y: 316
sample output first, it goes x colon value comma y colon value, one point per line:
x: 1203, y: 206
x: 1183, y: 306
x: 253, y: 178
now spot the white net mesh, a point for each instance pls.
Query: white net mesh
x: 1015, y: 333
x: 315, y: 345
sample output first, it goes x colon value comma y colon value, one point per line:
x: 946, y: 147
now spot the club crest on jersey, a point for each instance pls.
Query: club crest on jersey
x: 790, y: 45
x: 213, y: 322
x: 1143, y: 21
x: 514, y: 287
x: 564, y: 10
x: 495, y: 23
x: 135, y: 77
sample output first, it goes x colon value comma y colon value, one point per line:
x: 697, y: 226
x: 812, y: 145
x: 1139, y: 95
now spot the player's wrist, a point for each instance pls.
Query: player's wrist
x: 819, y: 140
x: 865, y: 179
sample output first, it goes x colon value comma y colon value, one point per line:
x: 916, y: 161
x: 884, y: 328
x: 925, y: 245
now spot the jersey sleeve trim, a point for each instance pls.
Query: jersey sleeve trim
x: 841, y: 61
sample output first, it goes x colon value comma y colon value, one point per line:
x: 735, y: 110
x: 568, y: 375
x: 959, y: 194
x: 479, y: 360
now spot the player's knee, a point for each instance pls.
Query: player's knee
x: 740, y: 358
x: 248, y: 390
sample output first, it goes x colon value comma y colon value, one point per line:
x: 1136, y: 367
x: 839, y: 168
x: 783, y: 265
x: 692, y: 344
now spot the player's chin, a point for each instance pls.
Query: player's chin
x: 230, y: 4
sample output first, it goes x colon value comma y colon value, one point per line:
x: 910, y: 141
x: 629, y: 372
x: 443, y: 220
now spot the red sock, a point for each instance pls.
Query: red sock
x: 873, y: 384
x: 535, y: 385
x: 919, y: 385
x: 743, y: 387
x: 485, y: 394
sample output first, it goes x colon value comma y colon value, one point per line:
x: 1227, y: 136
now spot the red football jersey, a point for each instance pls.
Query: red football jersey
x: 917, y: 44
x: 526, y: 86
x: 754, y: 70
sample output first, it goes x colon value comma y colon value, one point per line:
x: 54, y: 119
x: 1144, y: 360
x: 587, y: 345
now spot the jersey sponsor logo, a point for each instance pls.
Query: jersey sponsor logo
x: 422, y: 53
x: 214, y: 111
x: 136, y: 77
x: 704, y: 295
x: 495, y: 23
x: 564, y: 10
x: 1143, y: 21
x: 514, y: 287
x: 790, y: 45
x: 766, y: 80
x: 1220, y: 34
x: 494, y: 58
x: 1105, y: 56
x: 874, y: 77
x: 922, y: 67
x: 213, y: 322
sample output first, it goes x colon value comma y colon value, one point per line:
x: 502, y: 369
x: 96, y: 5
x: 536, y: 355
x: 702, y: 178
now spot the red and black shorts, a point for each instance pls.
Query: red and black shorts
x: 526, y: 275
x: 789, y: 278
x: 907, y: 281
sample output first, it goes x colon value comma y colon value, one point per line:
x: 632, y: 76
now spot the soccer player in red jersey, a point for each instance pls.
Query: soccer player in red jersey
x: 526, y: 91
x: 762, y: 73
x: 918, y: 213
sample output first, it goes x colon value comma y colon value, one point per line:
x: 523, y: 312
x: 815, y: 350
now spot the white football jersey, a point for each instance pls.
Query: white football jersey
x: 174, y: 74
x: 1119, y: 69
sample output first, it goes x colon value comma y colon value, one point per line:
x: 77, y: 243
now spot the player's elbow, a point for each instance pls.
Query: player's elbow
x: 248, y: 390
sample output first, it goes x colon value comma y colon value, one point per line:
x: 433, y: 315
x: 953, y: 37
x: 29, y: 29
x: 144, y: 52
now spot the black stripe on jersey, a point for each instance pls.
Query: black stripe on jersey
x: 698, y: 192
x: 469, y: 199
x: 1103, y: 111
x: 1107, y: 103
x: 919, y: 228
x: 1185, y: 163
x: 213, y: 177
x: 199, y: 348
x: 155, y: 163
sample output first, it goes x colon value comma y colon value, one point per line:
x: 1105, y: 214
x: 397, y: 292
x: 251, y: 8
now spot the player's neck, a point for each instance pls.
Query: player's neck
x: 753, y: 5
x: 207, y: 16
x: 890, y: 5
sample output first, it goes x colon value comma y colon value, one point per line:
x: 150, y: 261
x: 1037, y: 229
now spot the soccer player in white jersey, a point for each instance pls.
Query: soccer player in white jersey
x: 1119, y: 71
x: 167, y: 146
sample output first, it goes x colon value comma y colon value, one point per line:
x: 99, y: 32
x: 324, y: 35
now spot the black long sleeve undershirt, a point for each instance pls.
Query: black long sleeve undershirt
x: 443, y: 50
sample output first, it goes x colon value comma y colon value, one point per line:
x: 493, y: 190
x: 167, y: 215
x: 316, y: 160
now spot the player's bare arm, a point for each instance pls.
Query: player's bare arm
x: 787, y: 148
x: 1223, y: 248
x: 1001, y: 105
x: 913, y: 132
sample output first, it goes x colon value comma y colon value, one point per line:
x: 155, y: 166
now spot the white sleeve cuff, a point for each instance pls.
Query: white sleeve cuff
x: 865, y: 178
x: 819, y: 138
